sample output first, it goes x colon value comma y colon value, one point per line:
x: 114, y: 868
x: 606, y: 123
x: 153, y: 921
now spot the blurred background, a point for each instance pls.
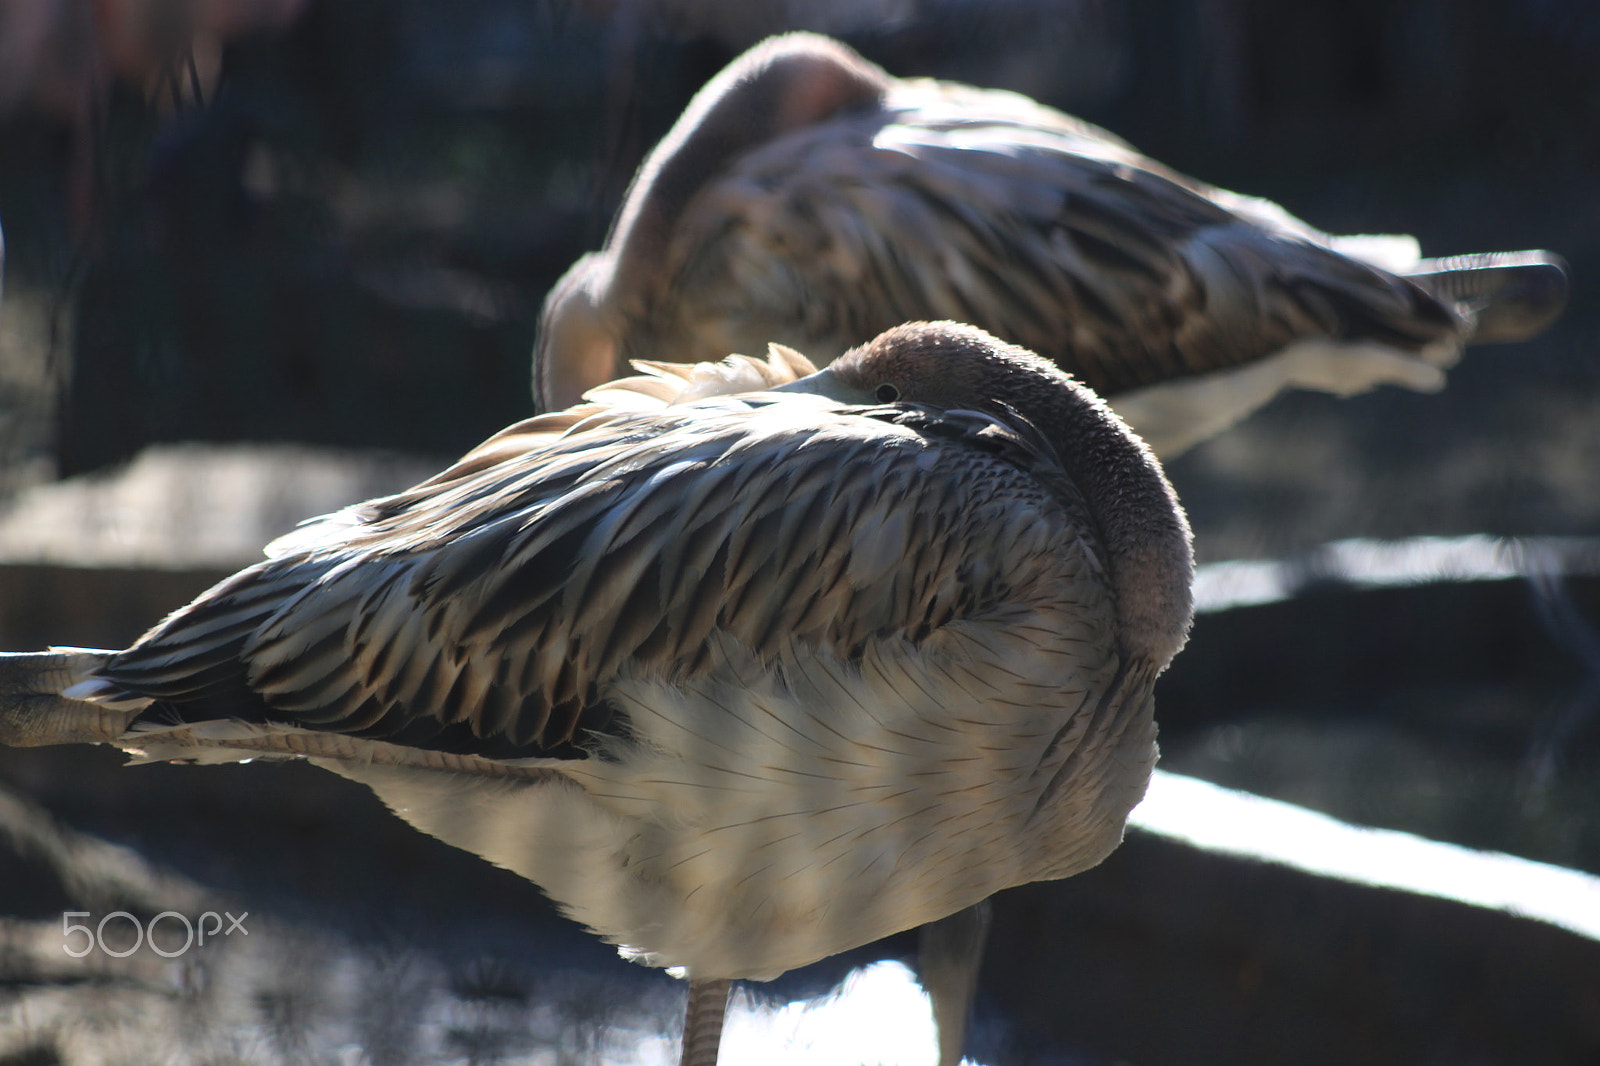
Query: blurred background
x: 265, y: 257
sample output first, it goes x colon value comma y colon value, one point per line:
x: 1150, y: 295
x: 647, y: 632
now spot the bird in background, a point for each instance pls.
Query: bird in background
x: 808, y: 198
x: 741, y: 682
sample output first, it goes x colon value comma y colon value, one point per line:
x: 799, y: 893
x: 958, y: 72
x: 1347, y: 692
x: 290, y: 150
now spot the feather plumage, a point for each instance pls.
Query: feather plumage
x: 806, y: 197
x: 741, y: 682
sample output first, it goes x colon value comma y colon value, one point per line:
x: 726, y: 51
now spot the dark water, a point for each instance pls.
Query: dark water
x: 348, y: 246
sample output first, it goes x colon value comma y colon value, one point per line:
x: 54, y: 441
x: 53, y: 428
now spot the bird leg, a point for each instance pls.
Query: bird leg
x: 950, y: 952
x: 702, y: 1021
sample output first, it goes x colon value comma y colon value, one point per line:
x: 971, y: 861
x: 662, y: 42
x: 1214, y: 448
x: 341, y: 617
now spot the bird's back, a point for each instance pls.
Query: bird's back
x: 981, y: 206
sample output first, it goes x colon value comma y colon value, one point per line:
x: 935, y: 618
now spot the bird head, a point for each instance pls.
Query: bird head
x: 952, y: 366
x: 945, y: 365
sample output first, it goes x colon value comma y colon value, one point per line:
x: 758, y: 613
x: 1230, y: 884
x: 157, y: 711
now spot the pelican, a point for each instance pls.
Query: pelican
x: 739, y: 682
x: 806, y: 197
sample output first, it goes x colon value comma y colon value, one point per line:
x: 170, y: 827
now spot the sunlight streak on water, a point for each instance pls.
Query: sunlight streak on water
x: 1240, y: 823
x: 878, y: 1017
x: 1364, y: 563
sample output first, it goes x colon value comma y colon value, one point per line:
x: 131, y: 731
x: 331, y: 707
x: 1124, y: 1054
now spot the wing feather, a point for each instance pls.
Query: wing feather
x: 491, y: 609
x: 977, y: 206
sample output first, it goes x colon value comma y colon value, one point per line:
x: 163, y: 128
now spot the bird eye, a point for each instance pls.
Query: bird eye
x: 887, y: 393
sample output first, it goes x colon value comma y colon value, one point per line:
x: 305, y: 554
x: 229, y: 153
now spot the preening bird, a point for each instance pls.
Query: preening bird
x: 740, y: 682
x: 806, y: 197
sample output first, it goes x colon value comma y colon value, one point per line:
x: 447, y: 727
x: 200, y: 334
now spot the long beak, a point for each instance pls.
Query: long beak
x: 825, y: 383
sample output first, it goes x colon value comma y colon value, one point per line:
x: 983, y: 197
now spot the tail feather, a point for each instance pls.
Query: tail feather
x: 34, y: 710
x: 1514, y: 295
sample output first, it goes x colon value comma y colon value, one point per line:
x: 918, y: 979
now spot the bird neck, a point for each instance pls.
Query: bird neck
x: 1141, y: 523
